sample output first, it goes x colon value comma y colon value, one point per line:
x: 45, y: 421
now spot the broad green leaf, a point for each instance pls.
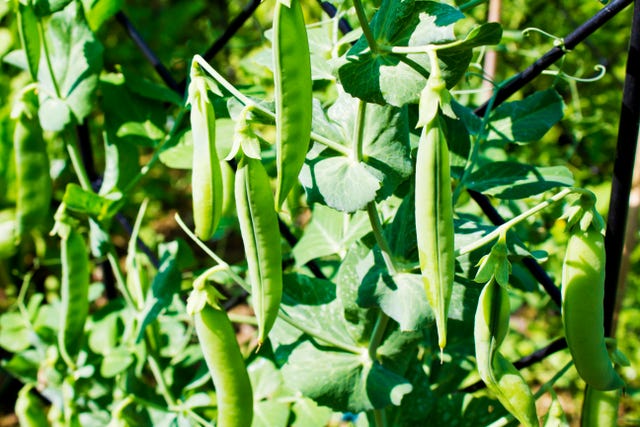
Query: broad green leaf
x: 401, y: 232
x: 76, y: 61
x: 47, y: 7
x: 344, y: 183
x: 488, y: 33
x: 401, y: 296
x: 359, y: 321
x: 105, y: 328
x: 98, y: 11
x: 398, y: 79
x: 340, y: 380
x: 270, y: 413
x: 128, y: 108
x: 328, y: 233
x: 307, y: 413
x: 459, y: 144
x: 89, y: 203
x: 116, y: 361
x: 149, y: 89
x: 121, y: 164
x: 511, y: 180
x: 15, y: 334
x: 529, y: 119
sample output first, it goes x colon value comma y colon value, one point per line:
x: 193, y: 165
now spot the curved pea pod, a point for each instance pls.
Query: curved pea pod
x: 583, y: 310
x: 33, y: 181
x: 293, y: 94
x: 74, y: 291
x: 498, y: 373
x: 434, y: 222
x: 261, y: 237
x: 29, y: 409
x: 206, y: 175
x: 226, y: 366
x: 600, y: 408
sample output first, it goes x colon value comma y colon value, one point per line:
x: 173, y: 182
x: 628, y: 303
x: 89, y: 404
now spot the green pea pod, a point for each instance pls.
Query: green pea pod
x: 583, y: 311
x: 261, y: 237
x: 29, y: 37
x: 499, y: 374
x: 434, y: 222
x: 74, y: 292
x: 29, y: 409
x: 600, y: 408
x: 32, y: 169
x: 293, y: 94
x: 226, y: 366
x: 206, y: 175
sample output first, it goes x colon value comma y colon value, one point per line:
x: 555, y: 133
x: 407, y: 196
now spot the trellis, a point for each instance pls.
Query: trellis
x: 624, y: 154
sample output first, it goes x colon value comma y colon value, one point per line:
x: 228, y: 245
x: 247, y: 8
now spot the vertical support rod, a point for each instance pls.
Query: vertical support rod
x: 622, y: 170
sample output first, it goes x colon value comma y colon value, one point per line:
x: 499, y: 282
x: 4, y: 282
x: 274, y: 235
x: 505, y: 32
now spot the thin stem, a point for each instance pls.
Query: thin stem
x: 241, y: 318
x: 377, y: 334
x: 547, y: 386
x: 380, y: 417
x: 222, y: 263
x: 121, y: 281
x: 376, y: 226
x: 515, y: 220
x: 162, y: 385
x: 78, y: 166
x: 358, y: 131
x: 45, y: 48
x: 470, y: 5
x: 364, y: 23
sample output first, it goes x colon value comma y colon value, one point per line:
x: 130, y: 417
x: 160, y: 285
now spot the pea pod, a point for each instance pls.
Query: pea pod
x: 261, y: 237
x: 600, y: 408
x: 74, y: 291
x: 33, y: 181
x: 583, y: 310
x: 29, y: 37
x: 29, y: 409
x: 206, y: 175
x: 226, y: 366
x: 434, y: 222
x: 498, y: 373
x: 293, y: 94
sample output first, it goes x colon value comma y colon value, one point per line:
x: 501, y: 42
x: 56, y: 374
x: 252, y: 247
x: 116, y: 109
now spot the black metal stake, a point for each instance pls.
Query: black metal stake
x: 622, y: 171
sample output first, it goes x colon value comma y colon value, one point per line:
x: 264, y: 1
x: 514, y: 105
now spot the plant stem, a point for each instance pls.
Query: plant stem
x: 358, y: 131
x: 515, y: 220
x: 45, y: 48
x: 364, y: 23
x: 380, y: 417
x: 121, y: 281
x: 162, y: 385
x: 376, y: 226
x: 377, y: 334
x: 470, y: 5
x: 76, y: 162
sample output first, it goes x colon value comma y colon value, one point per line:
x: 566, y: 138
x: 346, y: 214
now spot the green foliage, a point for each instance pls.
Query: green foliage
x: 355, y: 339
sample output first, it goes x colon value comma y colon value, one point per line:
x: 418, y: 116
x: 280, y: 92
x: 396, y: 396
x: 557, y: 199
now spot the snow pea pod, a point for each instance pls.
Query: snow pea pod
x: 206, y: 175
x: 226, y: 366
x: 600, y: 408
x: 498, y: 373
x: 583, y: 310
x: 434, y: 222
x: 293, y: 94
x: 33, y: 181
x: 74, y: 292
x: 261, y: 237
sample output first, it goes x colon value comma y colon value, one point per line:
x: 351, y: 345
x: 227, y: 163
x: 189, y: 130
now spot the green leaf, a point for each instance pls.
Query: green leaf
x: 76, y: 60
x: 166, y: 284
x: 127, y: 108
x: 309, y: 414
x: 488, y: 33
x: 47, y: 7
x: 401, y: 296
x: 14, y: 333
x: 98, y: 11
x: 121, y: 164
x: 511, y: 180
x: 398, y: 79
x: 328, y: 233
x: 529, y: 119
x: 343, y: 183
x: 116, y: 361
x: 89, y: 203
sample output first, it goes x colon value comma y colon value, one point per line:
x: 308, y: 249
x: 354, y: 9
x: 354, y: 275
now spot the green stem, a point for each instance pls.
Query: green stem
x: 45, y: 48
x: 376, y: 226
x: 514, y: 221
x: 121, y: 281
x: 547, y: 386
x: 377, y: 334
x: 470, y: 5
x: 76, y: 162
x: 222, y: 263
x: 358, y: 131
x: 248, y: 102
x: 241, y: 318
x: 364, y: 23
x: 380, y: 417
x: 162, y: 385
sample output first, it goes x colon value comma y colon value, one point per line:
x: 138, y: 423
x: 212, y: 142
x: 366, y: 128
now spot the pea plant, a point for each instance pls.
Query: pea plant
x: 336, y: 213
